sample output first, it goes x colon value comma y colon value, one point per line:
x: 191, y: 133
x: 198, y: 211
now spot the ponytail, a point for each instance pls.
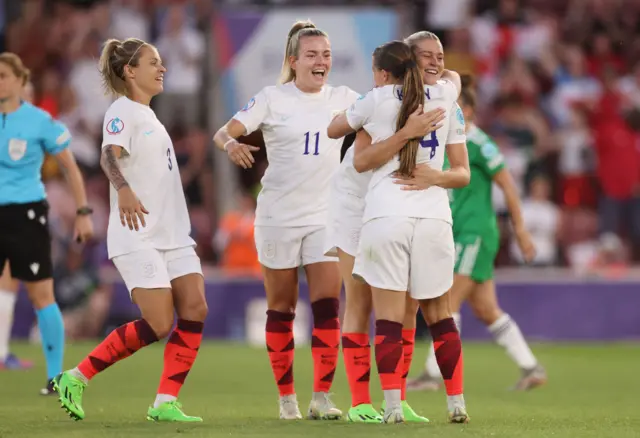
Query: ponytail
x: 412, y: 97
x: 299, y: 30
x: 115, y: 56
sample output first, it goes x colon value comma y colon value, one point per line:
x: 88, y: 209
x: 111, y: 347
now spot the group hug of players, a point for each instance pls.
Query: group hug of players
x: 404, y: 221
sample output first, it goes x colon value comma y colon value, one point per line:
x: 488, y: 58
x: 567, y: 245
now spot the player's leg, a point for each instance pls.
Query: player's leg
x: 181, y: 350
x: 145, y: 274
x: 467, y: 249
x: 31, y: 263
x: 408, y: 343
x: 8, y: 297
x: 507, y: 334
x: 384, y: 264
x: 323, y: 277
x: 356, y: 348
x: 432, y: 264
x: 430, y: 379
x: 279, y: 254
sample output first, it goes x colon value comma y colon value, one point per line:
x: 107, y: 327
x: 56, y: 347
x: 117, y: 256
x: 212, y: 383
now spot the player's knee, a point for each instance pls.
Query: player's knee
x: 485, y: 312
x: 41, y: 293
x: 197, y: 311
x: 436, y: 309
x: 356, y: 319
x: 161, y: 325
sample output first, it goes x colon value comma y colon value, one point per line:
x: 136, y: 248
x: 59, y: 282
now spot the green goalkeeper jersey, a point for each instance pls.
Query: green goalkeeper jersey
x: 472, y: 206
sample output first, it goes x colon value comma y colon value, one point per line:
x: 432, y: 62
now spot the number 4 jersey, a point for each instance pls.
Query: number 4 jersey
x: 149, y: 166
x: 302, y: 158
x: 377, y: 113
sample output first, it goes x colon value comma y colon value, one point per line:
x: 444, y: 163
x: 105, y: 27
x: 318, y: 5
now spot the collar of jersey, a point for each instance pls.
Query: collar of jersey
x: 319, y: 95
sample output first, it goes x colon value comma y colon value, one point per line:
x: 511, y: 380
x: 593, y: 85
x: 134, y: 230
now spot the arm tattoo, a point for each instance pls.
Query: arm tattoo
x: 109, y: 164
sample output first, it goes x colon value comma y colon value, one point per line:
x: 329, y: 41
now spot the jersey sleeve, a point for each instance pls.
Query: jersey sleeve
x: 118, y: 127
x: 361, y: 111
x: 254, y: 112
x: 489, y: 158
x: 55, y: 136
x: 456, y: 132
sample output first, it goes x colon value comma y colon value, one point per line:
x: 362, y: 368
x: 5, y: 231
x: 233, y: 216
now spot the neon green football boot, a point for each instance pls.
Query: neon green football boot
x: 410, y: 416
x: 170, y: 412
x: 70, y: 391
x: 364, y: 413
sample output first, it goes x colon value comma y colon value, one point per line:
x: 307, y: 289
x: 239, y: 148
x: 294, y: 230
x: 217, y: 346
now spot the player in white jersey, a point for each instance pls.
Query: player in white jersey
x: 406, y: 241
x: 345, y: 222
x: 148, y: 236
x: 291, y: 213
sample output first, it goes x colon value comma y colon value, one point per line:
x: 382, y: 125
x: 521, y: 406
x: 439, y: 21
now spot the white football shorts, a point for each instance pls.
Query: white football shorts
x: 154, y: 268
x: 407, y: 254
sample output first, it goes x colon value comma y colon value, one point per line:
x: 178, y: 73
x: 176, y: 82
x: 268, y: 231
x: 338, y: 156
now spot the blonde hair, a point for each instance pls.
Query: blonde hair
x: 115, y: 56
x: 413, y: 39
x: 15, y: 64
x: 300, y: 29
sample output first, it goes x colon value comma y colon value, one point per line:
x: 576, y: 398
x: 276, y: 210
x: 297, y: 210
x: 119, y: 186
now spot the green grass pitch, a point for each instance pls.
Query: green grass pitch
x: 592, y: 392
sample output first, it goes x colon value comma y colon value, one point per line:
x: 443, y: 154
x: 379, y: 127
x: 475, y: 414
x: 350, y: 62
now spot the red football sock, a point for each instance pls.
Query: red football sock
x: 119, y: 344
x: 179, y: 355
x: 280, y: 345
x: 448, y: 348
x: 389, y: 353
x: 408, y: 343
x: 325, y: 342
x: 357, y: 363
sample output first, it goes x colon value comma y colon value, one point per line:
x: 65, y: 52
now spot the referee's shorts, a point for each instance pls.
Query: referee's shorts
x: 25, y: 240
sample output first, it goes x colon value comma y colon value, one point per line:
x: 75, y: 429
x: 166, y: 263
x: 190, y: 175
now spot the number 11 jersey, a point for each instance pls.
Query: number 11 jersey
x: 302, y: 158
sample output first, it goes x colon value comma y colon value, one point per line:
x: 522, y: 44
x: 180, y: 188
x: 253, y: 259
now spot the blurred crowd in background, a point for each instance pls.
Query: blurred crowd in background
x: 559, y: 87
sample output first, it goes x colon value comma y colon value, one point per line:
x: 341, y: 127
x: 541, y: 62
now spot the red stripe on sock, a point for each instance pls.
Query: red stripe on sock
x: 408, y: 344
x: 179, y: 355
x: 119, y: 344
x: 448, y: 348
x: 280, y: 345
x: 357, y: 363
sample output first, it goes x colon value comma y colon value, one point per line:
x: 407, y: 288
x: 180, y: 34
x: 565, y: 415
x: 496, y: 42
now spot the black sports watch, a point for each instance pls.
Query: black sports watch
x: 84, y: 211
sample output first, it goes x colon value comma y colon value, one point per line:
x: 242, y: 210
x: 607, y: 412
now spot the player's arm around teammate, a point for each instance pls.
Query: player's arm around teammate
x: 291, y: 214
x: 148, y: 237
x: 348, y: 191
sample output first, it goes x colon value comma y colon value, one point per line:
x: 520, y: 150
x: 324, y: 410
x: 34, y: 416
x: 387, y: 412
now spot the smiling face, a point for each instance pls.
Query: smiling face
x: 312, y: 63
x: 430, y: 56
x: 148, y: 75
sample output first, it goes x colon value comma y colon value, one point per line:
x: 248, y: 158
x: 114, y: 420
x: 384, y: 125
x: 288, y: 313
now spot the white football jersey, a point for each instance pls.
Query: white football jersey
x: 302, y: 158
x: 377, y: 112
x: 148, y: 163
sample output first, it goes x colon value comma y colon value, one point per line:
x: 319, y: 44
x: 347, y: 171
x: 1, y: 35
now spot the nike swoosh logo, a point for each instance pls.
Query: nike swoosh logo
x: 148, y: 132
x: 361, y: 357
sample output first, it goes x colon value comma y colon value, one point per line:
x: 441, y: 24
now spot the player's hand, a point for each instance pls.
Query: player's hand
x: 420, y: 123
x: 240, y: 154
x: 131, y: 209
x: 83, y: 229
x: 525, y: 243
x: 423, y: 177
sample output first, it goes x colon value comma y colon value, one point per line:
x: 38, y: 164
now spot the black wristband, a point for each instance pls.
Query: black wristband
x: 84, y: 211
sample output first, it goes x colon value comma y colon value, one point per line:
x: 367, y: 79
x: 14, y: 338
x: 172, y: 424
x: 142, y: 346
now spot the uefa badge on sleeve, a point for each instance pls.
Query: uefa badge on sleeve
x: 249, y: 104
x: 115, y: 126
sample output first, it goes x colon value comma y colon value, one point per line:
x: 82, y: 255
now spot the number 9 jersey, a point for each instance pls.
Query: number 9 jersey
x: 302, y: 158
